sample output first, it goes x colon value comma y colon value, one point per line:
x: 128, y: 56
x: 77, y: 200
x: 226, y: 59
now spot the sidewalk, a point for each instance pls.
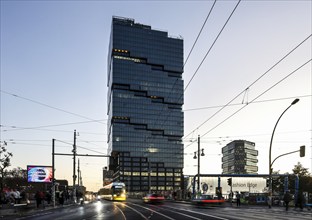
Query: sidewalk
x: 22, y: 209
x: 250, y: 206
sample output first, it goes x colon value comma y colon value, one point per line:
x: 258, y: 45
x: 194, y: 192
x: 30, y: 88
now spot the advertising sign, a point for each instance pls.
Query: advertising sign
x: 39, y: 174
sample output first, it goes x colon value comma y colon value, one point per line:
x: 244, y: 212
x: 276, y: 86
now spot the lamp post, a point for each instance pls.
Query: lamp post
x: 198, y: 162
x: 270, y: 164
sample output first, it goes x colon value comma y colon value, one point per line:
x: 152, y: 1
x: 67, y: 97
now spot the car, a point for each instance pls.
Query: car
x: 153, y: 198
x: 207, y: 200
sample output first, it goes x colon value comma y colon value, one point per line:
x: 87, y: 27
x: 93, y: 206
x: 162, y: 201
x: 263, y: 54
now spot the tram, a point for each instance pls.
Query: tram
x: 114, y: 191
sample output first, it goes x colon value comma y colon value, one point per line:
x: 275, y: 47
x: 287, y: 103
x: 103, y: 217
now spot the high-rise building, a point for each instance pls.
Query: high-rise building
x: 145, y: 98
x: 239, y: 157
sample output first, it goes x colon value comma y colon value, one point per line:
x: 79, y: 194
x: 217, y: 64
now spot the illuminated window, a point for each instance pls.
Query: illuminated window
x: 136, y: 60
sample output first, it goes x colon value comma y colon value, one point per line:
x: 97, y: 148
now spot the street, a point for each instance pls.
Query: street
x: 135, y: 209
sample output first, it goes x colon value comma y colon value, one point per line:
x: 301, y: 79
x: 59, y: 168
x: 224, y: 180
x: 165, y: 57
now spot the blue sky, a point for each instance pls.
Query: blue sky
x: 54, y: 54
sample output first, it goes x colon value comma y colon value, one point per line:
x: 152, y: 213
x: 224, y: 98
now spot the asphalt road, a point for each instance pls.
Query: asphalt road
x: 136, y: 209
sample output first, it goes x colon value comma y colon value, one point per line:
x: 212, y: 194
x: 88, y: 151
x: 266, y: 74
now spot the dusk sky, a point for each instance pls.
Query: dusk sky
x: 238, y: 79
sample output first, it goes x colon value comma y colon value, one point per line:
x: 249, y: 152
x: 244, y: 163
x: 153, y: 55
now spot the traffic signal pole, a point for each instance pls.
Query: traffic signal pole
x: 53, y: 178
x: 198, y: 165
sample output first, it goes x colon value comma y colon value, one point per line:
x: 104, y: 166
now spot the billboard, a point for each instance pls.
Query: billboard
x: 39, y: 174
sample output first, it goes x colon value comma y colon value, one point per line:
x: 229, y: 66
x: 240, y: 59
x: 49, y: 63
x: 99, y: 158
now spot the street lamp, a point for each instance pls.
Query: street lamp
x: 270, y: 164
x: 198, y: 162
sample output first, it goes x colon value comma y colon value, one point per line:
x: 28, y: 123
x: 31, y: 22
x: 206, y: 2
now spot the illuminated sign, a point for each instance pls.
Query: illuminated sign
x: 39, y: 174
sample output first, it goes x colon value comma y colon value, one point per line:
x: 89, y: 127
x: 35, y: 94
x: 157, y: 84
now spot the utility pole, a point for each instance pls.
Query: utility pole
x: 74, y: 165
x: 78, y: 171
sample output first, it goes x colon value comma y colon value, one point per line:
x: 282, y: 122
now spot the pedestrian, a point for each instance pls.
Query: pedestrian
x: 17, y: 196
x: 269, y: 201
x: 300, y: 200
x: 13, y: 196
x: 38, y: 198
x: 48, y: 197
x: 286, y: 199
x: 238, y: 202
x: 61, y: 198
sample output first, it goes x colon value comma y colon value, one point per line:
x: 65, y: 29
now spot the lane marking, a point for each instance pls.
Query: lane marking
x: 121, y: 211
x: 213, y: 216
x: 154, y: 211
x: 135, y: 211
x: 179, y: 213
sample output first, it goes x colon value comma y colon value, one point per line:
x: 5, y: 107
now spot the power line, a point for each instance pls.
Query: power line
x: 200, y: 32
x: 212, y: 46
x: 235, y: 104
x: 175, y: 82
x: 250, y: 102
x: 204, y: 57
x: 16, y: 128
x: 91, y: 150
x: 284, y: 57
x: 257, y: 97
x: 49, y: 106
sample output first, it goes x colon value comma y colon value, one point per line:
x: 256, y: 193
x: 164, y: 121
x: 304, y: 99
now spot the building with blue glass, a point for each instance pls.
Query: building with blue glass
x: 145, y: 98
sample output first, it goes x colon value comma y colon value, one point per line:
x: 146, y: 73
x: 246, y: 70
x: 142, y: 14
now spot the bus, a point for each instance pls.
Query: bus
x: 114, y: 191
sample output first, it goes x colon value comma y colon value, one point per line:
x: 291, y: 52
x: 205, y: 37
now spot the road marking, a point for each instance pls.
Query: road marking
x: 166, y: 216
x: 134, y: 211
x: 121, y: 212
x: 213, y: 216
x: 179, y: 213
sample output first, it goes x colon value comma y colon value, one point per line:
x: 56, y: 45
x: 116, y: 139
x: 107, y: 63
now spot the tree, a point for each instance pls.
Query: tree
x: 16, y: 178
x: 5, y: 161
x: 278, y: 183
x: 305, y: 179
x: 300, y: 170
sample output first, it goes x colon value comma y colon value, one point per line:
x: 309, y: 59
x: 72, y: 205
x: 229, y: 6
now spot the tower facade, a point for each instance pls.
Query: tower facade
x: 145, y: 98
x: 239, y: 157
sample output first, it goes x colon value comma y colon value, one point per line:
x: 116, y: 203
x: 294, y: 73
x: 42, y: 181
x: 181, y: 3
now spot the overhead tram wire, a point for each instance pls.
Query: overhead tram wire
x: 284, y: 57
x: 257, y: 97
x: 212, y: 45
x: 56, y: 125
x: 205, y: 54
x: 198, y: 35
x: 200, y: 32
x: 251, y: 101
x: 235, y: 104
x: 41, y: 129
x: 49, y: 106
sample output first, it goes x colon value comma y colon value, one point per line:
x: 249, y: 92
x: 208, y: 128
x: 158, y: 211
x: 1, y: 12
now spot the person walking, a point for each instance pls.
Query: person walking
x: 238, y: 202
x: 287, y: 199
x: 38, y: 197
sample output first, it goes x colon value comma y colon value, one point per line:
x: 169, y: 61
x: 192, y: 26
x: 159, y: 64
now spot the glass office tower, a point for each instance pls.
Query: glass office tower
x: 145, y: 98
x: 239, y: 157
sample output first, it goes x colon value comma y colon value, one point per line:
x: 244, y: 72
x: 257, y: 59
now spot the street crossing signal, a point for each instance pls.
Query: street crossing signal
x: 229, y: 181
x: 302, y: 151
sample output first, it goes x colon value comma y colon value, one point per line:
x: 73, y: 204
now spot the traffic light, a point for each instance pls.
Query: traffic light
x: 302, y: 151
x: 267, y: 182
x: 229, y: 181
